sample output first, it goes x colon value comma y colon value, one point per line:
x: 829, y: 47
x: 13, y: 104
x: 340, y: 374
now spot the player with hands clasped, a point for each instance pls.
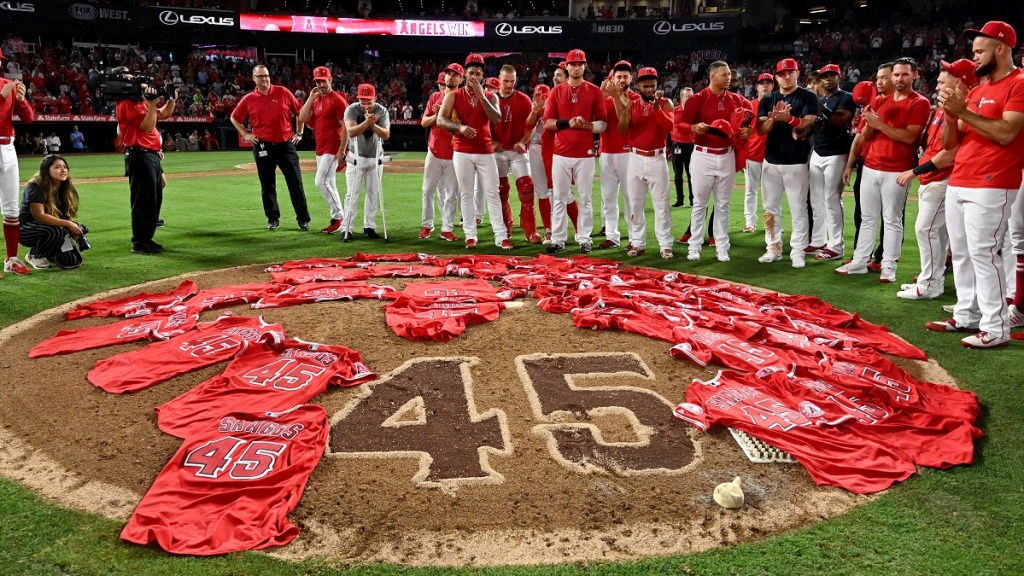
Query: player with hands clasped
x: 324, y: 111
x: 615, y: 154
x: 369, y: 126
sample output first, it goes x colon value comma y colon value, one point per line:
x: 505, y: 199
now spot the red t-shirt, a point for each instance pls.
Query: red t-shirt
x: 270, y: 114
x: 649, y: 125
x: 565, y: 102
x: 886, y: 154
x: 469, y: 110
x: 981, y: 163
x: 933, y: 147
x: 706, y: 107
x: 328, y: 122
x: 755, y: 142
x: 514, y: 112
x: 613, y: 141
x: 681, y: 133
x: 440, y: 140
x: 129, y: 117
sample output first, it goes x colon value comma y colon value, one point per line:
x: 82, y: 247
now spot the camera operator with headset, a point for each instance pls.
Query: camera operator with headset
x: 137, y: 114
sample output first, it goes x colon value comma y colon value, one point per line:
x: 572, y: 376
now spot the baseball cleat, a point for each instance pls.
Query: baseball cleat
x: 506, y: 244
x: 333, y: 227
x: 749, y: 229
x: 812, y: 249
x: 852, y: 268
x: 684, y: 239
x: 888, y: 274
x: 425, y: 232
x: 666, y: 253
x: 693, y: 255
x: 769, y: 257
x: 916, y: 292
x: 826, y: 254
x: 14, y: 266
x: 635, y: 251
x: 873, y: 266
x: 554, y: 248
x: 370, y: 233
x: 1016, y: 317
x: 711, y: 241
x: 608, y: 244
x: 798, y: 260
x: 470, y: 244
x: 273, y: 224
x: 535, y: 238
x: 586, y: 248
x: 983, y: 340
x: 448, y: 236
x: 723, y: 255
x: 948, y: 325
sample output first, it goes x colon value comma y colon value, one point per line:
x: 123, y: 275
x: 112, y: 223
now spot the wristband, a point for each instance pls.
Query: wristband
x: 928, y: 166
x: 561, y: 124
x: 793, y: 121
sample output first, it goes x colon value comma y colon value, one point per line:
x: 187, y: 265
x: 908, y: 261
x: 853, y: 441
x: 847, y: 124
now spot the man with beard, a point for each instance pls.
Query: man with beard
x: 984, y: 185
x: 615, y: 154
x: 325, y: 111
x: 512, y: 137
x: 438, y: 167
x: 894, y: 128
x: 830, y: 148
x: 547, y: 150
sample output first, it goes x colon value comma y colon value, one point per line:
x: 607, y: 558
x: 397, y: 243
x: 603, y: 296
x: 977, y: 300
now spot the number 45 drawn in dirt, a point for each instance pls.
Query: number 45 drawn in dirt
x: 425, y: 410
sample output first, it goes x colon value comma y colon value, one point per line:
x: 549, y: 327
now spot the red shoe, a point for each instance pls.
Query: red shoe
x: 425, y: 233
x: 874, y: 266
x: 470, y: 244
x: 684, y: 239
x: 608, y: 244
x: 812, y: 249
x: 14, y: 266
x: 448, y: 236
x: 948, y: 325
x: 333, y: 227
x: 535, y: 238
x: 711, y: 241
x: 826, y: 254
x: 506, y: 244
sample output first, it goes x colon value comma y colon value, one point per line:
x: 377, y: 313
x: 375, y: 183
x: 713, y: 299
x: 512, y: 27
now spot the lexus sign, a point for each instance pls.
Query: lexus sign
x: 175, y: 17
x: 506, y: 29
x: 663, y: 27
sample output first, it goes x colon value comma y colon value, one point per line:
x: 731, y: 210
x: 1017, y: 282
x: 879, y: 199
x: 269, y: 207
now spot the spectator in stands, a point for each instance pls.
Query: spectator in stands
x: 193, y: 141
x: 48, y: 226
x: 52, y: 143
x: 77, y: 140
x: 210, y: 141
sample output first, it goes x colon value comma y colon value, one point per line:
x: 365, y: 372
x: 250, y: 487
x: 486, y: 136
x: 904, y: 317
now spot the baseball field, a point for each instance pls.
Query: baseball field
x: 964, y: 520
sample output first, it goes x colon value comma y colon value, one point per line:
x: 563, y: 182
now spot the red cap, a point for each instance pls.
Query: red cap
x: 646, y: 72
x: 962, y: 69
x: 475, y: 60
x: 996, y: 29
x: 830, y: 69
x: 493, y: 83
x: 366, y: 91
x: 786, y: 64
x: 765, y: 76
x: 321, y: 73
x: 576, y: 56
x: 543, y: 89
x: 864, y: 93
x: 622, y: 65
x: 456, y: 68
x: 721, y: 127
x: 741, y: 118
x: 562, y: 64
x: 441, y: 77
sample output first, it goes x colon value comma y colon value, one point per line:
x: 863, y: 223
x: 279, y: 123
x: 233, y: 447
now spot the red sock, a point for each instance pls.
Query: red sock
x: 545, y: 212
x: 1018, y: 295
x: 12, y: 233
x: 574, y: 213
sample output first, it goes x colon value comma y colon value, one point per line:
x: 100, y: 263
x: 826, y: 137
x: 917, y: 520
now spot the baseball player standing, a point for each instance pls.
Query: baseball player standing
x: 512, y: 135
x: 468, y: 112
x: 547, y: 150
x: 647, y: 121
x: 539, y: 167
x: 894, y: 127
x: 575, y: 110
x: 984, y: 184
x: 614, y: 153
x: 12, y: 101
x: 325, y: 110
x: 439, y: 167
x: 830, y: 148
x: 755, y: 156
x: 785, y: 110
x: 368, y: 125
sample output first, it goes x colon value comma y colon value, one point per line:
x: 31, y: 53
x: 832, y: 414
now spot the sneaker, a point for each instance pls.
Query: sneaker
x: 888, y: 274
x: 142, y: 248
x: 983, y: 340
x: 601, y: 233
x: 159, y: 222
x: 346, y: 237
x: 769, y: 257
x: 607, y: 244
x: 749, y: 228
x: 826, y: 254
x: 916, y: 292
x: 470, y: 244
x: 874, y: 266
x: 798, y: 260
x: 586, y: 248
x: 547, y: 237
x: 448, y: 236
x: 679, y: 204
x: 948, y: 308
x: 812, y: 249
x: 684, y: 239
x: 1016, y: 318
x: 534, y: 238
x: 666, y: 253
x: 37, y: 262
x: 506, y: 244
x: 370, y: 233
x: 273, y: 224
x: 852, y: 268
x: 425, y: 232
x: 635, y: 251
x: 14, y: 266
x: 948, y: 325
x: 333, y: 227
x: 554, y: 248
x: 304, y: 226
x: 723, y: 255
x: 693, y: 255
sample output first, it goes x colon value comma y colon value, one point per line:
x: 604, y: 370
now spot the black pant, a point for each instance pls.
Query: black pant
x: 49, y: 242
x: 283, y: 155
x: 144, y: 170
x: 681, y: 163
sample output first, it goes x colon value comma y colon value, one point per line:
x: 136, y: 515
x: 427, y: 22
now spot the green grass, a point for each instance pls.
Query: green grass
x: 962, y: 521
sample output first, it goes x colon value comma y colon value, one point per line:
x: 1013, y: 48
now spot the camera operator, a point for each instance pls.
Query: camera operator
x: 136, y: 125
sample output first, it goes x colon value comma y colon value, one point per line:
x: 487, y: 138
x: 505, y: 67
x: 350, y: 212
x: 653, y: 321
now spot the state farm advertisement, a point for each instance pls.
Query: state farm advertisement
x: 361, y: 26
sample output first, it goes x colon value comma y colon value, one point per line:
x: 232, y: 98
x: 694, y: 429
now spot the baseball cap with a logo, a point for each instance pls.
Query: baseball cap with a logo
x: 646, y: 72
x: 562, y: 64
x: 622, y: 65
x: 321, y: 73
x: 441, y: 77
x: 995, y: 29
x: 493, y: 83
x: 765, y: 77
x: 830, y: 69
x: 786, y: 64
x: 475, y: 60
x: 542, y: 89
x: 864, y: 93
x: 366, y: 91
x: 962, y: 69
x: 721, y: 127
x: 576, y: 56
x: 455, y: 68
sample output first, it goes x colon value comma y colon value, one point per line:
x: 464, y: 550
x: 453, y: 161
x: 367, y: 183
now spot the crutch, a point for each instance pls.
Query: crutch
x: 380, y: 188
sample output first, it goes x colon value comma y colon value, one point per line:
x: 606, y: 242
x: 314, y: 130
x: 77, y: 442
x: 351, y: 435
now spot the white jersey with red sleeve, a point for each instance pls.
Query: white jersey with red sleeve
x: 265, y: 378
x: 208, y: 344
x: 134, y: 305
x: 515, y: 110
x: 566, y: 102
x: 325, y: 292
x: 831, y: 455
x: 232, y: 295
x: 333, y: 274
x: 156, y: 326
x: 232, y: 483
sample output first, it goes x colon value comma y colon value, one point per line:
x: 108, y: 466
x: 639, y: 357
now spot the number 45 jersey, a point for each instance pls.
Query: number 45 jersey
x: 232, y: 483
x: 265, y: 378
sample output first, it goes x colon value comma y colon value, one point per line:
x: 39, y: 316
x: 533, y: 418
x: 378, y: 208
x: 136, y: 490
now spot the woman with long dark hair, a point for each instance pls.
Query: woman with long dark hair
x: 48, y: 214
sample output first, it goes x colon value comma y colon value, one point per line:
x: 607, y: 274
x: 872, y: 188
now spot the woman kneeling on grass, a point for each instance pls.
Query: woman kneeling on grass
x: 48, y: 213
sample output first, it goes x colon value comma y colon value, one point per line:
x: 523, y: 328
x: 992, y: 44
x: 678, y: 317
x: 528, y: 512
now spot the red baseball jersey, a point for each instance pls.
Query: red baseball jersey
x: 982, y: 163
x: 650, y: 125
x: 232, y: 483
x: 613, y: 141
x: 565, y: 102
x: 328, y: 122
x: 832, y: 455
x: 469, y: 110
x: 208, y: 344
x: 405, y: 271
x: 134, y: 305
x: 706, y: 106
x: 264, y: 378
x: 888, y: 155
x: 304, y: 275
x: 703, y: 346
x: 439, y: 322
x: 933, y: 145
x: 755, y: 142
x: 156, y: 326
x: 270, y: 114
x: 308, y: 263
x: 325, y: 292
x: 466, y: 291
x: 232, y: 295
x: 681, y: 132
x: 439, y: 142
x: 515, y: 109
x: 9, y: 107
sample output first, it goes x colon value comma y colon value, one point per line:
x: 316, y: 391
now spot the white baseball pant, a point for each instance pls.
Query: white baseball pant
x: 565, y: 171
x: 932, y: 238
x: 9, y: 182
x: 361, y: 170
x: 649, y: 173
x: 469, y: 170
x: 881, y: 198
x: 437, y: 171
x: 713, y: 176
x: 1014, y: 244
x: 793, y: 180
x: 826, y: 191
x: 614, y: 173
x: 977, y: 221
x: 752, y: 181
x: 326, y: 181
x: 541, y: 186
